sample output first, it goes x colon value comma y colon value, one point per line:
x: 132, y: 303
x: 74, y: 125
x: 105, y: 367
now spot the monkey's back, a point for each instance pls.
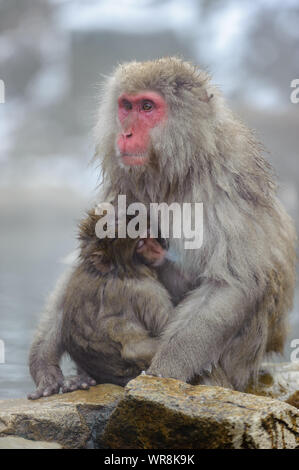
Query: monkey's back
x: 99, y: 314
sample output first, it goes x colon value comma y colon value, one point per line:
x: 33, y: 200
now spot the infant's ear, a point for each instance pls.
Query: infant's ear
x: 101, y: 263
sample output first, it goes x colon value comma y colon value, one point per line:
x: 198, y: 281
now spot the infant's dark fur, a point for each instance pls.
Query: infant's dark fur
x: 113, y: 312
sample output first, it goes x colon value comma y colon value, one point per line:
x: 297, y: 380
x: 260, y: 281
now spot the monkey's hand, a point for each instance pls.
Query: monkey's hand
x: 170, y: 361
x: 48, y: 384
x: 77, y: 382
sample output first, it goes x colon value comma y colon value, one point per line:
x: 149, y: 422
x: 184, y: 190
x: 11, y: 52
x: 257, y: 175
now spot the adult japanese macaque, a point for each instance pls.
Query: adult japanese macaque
x: 165, y: 134
x: 111, y: 315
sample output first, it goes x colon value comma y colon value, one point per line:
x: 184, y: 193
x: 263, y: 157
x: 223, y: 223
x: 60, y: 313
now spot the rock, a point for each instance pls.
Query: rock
x: 293, y: 399
x: 158, y: 413
x: 12, y: 442
x: 73, y: 420
x: 279, y: 380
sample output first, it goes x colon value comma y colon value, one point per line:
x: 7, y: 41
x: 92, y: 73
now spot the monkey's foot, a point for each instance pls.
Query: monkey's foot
x: 46, y: 388
x: 77, y: 382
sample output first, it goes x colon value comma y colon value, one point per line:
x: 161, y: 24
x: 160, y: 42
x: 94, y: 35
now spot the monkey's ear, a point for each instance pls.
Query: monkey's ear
x: 101, y: 263
x: 87, y: 226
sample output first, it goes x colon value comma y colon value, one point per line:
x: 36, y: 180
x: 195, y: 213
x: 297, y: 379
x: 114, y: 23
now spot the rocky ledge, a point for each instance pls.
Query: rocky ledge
x: 156, y: 413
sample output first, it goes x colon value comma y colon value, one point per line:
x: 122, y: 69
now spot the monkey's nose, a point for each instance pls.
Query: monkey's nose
x: 127, y: 135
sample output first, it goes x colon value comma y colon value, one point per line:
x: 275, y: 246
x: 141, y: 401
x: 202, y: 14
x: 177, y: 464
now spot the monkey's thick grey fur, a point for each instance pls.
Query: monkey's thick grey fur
x: 232, y: 295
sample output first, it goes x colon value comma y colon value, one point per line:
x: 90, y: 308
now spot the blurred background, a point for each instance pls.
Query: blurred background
x: 53, y: 56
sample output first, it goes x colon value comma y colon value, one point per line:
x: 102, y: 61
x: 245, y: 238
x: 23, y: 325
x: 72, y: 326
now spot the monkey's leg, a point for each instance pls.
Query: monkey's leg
x: 47, y: 347
x: 216, y: 376
x: 240, y: 360
x: 44, y: 366
x: 81, y: 381
x: 205, y: 324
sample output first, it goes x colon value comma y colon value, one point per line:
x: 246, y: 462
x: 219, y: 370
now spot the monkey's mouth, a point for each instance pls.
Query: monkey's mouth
x: 134, y: 159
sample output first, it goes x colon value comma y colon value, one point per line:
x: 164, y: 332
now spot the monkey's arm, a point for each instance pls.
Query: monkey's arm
x: 136, y: 344
x: 47, y: 348
x: 139, y: 348
x: 204, y: 321
x: 139, y: 331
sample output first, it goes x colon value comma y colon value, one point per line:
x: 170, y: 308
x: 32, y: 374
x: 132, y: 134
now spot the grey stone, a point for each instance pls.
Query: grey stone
x: 158, y: 413
x: 73, y: 420
x: 12, y: 442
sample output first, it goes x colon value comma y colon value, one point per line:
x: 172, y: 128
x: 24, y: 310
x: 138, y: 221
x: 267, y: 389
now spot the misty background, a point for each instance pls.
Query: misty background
x: 53, y: 56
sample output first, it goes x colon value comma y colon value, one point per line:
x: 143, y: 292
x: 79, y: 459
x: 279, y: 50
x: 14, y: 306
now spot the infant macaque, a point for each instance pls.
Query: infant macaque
x: 112, y: 314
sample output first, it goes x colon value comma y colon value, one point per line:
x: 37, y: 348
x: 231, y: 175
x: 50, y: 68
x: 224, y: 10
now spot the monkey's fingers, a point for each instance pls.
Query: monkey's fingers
x: 34, y: 395
x: 91, y: 381
x: 71, y: 384
x: 44, y: 392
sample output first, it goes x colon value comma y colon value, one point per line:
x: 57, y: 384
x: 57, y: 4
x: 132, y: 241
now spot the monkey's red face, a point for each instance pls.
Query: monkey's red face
x: 138, y: 115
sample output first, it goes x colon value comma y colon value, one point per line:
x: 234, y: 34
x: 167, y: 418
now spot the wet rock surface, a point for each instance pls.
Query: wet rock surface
x: 73, y: 420
x: 279, y: 381
x: 157, y: 413
x: 12, y: 442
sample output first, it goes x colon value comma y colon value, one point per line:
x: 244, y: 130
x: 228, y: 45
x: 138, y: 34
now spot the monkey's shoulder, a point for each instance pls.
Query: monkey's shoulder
x: 87, y: 283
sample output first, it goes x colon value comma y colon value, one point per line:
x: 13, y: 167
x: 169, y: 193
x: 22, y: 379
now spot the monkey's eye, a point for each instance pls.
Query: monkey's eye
x: 147, y: 106
x: 127, y: 105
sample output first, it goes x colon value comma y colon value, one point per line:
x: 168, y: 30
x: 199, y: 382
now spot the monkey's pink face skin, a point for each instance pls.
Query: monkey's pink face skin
x: 152, y: 251
x: 138, y: 115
